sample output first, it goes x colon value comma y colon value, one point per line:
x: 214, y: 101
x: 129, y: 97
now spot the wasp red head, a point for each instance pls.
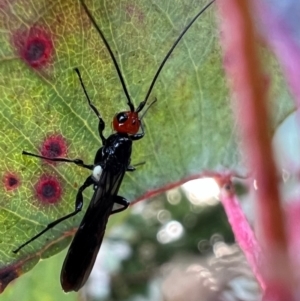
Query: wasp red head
x: 126, y: 122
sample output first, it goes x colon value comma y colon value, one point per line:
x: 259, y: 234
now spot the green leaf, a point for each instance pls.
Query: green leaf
x: 43, y: 108
x: 41, y: 283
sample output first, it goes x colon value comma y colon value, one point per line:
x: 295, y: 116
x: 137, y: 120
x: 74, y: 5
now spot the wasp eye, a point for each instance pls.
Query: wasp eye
x: 122, y: 117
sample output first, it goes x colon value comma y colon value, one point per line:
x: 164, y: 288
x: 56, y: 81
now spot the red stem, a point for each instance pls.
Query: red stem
x: 245, y: 73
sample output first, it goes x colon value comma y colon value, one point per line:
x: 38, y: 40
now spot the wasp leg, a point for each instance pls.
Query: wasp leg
x: 78, y: 206
x: 121, y: 201
x: 78, y: 162
x: 133, y: 167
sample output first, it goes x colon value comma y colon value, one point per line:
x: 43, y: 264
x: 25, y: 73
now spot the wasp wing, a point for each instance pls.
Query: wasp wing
x: 85, y: 246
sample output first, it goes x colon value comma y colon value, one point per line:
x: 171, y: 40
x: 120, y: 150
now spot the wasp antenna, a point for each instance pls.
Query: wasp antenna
x: 152, y: 103
x: 168, y: 55
x: 129, y: 102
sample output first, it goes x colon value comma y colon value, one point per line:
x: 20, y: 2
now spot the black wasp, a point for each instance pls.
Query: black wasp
x: 111, y: 162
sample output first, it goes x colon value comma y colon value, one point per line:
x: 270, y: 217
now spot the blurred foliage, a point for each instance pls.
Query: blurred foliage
x: 200, y: 223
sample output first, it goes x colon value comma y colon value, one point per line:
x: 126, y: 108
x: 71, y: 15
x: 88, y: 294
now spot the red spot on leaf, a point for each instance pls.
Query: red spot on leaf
x: 53, y: 147
x: 34, y: 46
x: 11, y: 181
x: 48, y: 190
x: 7, y: 275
